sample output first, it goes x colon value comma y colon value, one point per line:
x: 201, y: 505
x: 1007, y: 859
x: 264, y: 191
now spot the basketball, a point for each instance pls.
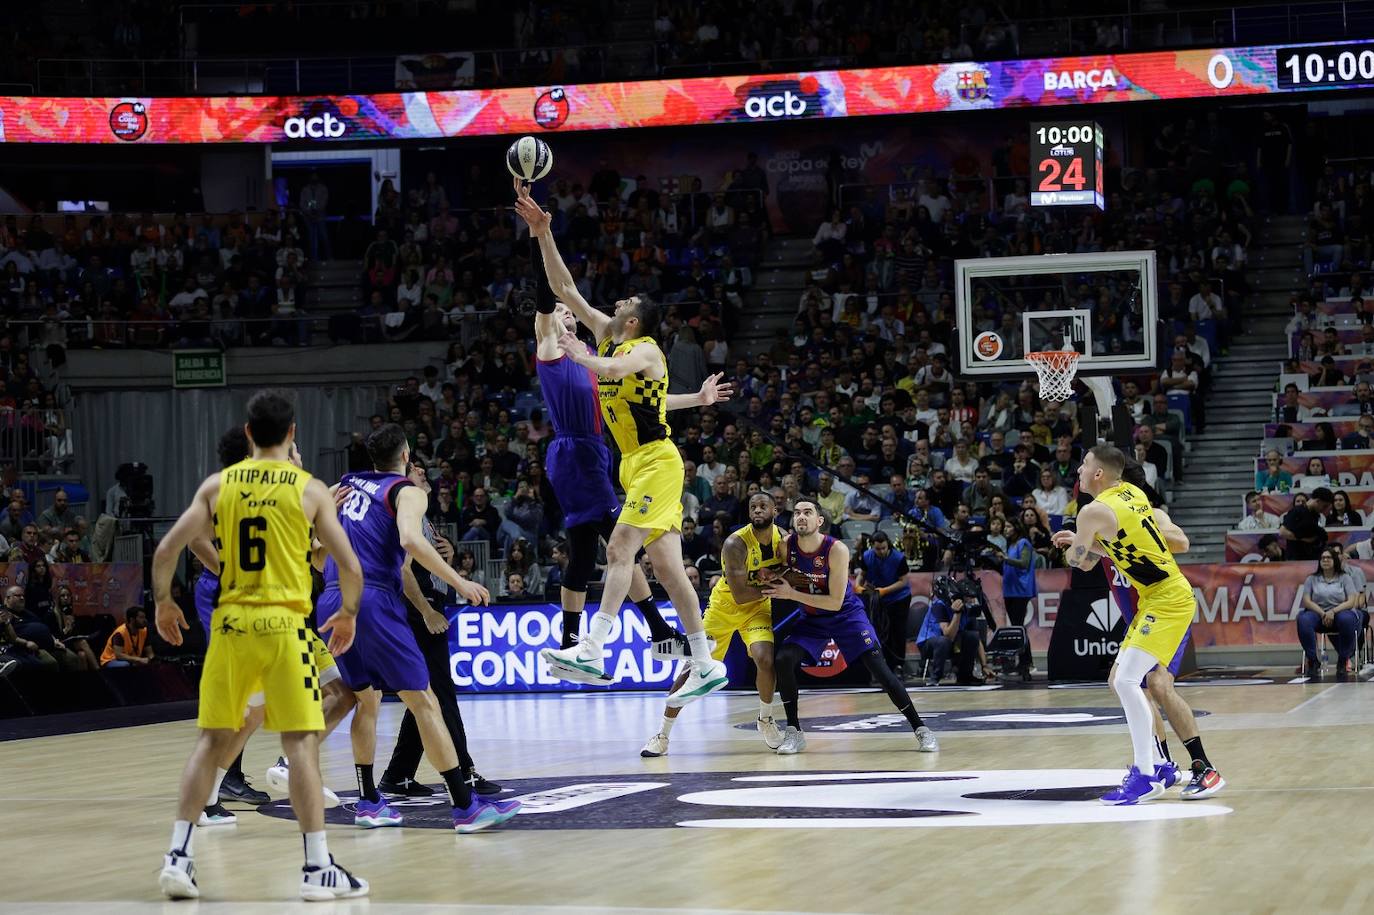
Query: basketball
x: 529, y: 158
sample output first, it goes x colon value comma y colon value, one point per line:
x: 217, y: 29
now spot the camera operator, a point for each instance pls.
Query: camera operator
x: 950, y: 627
x: 1018, y: 584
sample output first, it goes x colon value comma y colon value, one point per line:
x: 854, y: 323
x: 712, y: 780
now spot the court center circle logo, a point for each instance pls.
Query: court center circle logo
x: 809, y: 800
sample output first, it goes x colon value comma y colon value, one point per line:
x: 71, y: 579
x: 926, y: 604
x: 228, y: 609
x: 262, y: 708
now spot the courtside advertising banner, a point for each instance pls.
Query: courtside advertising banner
x: 1346, y: 468
x: 97, y: 587
x: 496, y: 649
x: 970, y: 85
x: 1243, y: 546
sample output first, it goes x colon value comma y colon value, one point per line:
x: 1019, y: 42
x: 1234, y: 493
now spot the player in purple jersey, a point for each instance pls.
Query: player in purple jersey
x: 1159, y: 682
x: 230, y: 783
x: 817, y: 578
x: 383, y: 516
x: 578, y: 463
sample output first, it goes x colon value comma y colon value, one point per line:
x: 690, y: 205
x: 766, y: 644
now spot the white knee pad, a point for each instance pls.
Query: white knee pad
x: 257, y: 700
x: 329, y: 675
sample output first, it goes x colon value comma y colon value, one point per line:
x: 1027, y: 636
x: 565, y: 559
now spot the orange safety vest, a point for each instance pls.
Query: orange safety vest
x: 133, y: 645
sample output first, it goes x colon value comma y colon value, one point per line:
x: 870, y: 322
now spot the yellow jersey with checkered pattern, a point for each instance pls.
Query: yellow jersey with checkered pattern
x: 762, y: 555
x: 263, y: 535
x: 635, y: 407
x: 1138, y: 549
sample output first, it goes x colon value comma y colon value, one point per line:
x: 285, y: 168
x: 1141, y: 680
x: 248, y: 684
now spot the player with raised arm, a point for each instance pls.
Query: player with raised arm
x: 1159, y: 683
x: 579, y: 466
x: 817, y: 578
x: 738, y: 604
x: 261, y: 512
x: 633, y: 391
x: 337, y: 701
x: 1121, y: 523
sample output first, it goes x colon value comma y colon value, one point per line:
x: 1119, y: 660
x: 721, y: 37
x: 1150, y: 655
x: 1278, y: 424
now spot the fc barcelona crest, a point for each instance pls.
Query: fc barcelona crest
x: 972, y: 85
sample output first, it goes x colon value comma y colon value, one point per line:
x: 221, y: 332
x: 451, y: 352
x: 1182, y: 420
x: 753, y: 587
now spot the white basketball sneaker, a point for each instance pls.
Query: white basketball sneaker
x: 772, y: 734
x: 178, y: 877
x: 325, y: 884
x: 702, y: 680
x: 656, y: 747
x: 925, y: 740
x: 793, y: 742
x: 279, y: 780
x: 580, y: 664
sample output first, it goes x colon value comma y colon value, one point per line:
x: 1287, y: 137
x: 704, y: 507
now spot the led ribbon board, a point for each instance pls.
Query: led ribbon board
x: 1196, y: 73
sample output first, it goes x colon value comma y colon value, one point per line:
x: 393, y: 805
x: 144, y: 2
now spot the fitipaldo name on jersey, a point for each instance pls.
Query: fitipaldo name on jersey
x: 262, y: 476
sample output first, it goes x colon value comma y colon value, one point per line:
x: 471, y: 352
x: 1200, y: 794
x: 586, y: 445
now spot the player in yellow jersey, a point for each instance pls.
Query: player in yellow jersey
x: 633, y: 387
x: 261, y: 512
x: 738, y: 604
x: 1121, y: 523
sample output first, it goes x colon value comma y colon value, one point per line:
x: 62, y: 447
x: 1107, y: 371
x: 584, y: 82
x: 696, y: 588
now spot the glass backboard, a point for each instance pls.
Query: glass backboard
x: 1103, y: 306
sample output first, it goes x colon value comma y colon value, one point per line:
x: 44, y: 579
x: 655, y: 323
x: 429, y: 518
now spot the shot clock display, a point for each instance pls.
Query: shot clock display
x: 1325, y: 66
x: 1066, y: 164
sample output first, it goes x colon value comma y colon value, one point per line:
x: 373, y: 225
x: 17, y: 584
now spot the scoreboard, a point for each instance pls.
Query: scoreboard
x: 1066, y: 164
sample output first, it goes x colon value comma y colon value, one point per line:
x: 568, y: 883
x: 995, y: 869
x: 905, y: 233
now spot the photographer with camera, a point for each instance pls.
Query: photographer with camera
x: 1018, y: 584
x: 951, y: 627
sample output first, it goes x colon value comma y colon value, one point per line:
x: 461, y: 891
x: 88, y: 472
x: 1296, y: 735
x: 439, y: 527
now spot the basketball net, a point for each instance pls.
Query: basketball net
x: 1057, y: 370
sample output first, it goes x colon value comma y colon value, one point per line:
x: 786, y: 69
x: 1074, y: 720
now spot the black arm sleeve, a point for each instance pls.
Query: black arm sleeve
x: 543, y: 295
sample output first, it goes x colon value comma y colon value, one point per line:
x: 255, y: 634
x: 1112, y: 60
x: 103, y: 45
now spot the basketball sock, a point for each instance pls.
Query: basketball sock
x: 459, y: 791
x: 789, y: 707
x: 658, y: 626
x: 214, y: 789
x: 1164, y: 749
x: 316, y: 849
x: 666, y: 727
x: 182, y: 831
x: 765, y: 709
x: 572, y: 625
x: 1194, y: 748
x: 236, y: 767
x: 598, y: 630
x: 701, y: 650
x: 367, y: 790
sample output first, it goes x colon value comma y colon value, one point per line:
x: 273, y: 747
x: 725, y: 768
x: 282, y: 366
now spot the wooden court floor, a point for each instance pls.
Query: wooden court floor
x: 1002, y: 819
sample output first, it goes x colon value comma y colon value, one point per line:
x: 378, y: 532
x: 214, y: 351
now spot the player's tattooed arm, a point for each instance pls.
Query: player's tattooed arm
x: 734, y: 558
x: 1093, y: 520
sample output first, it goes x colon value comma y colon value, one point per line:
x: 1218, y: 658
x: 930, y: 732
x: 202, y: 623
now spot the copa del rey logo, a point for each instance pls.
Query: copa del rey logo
x: 317, y: 127
x: 1091, y: 80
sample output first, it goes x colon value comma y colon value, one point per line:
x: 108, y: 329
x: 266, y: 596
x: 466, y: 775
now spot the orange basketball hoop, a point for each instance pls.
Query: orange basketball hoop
x: 1055, y: 370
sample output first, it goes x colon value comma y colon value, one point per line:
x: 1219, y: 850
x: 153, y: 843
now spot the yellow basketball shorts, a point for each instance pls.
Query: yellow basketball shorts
x: 261, y: 649
x: 1159, y: 627
x: 651, y: 476
x: 753, y: 621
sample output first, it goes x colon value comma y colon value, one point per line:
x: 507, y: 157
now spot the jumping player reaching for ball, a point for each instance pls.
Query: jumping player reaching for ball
x: 633, y: 389
x: 830, y: 610
x: 579, y: 466
x: 1121, y: 523
x: 738, y: 604
x: 261, y: 511
x: 1159, y: 683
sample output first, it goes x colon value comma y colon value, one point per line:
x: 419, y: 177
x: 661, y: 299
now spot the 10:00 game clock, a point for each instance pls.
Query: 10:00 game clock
x: 1066, y: 164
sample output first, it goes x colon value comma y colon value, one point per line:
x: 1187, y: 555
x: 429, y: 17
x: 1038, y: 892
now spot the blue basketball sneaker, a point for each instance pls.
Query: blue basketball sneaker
x: 506, y: 809
x: 475, y: 817
x: 370, y: 815
x: 1168, y: 774
x: 1135, y: 789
